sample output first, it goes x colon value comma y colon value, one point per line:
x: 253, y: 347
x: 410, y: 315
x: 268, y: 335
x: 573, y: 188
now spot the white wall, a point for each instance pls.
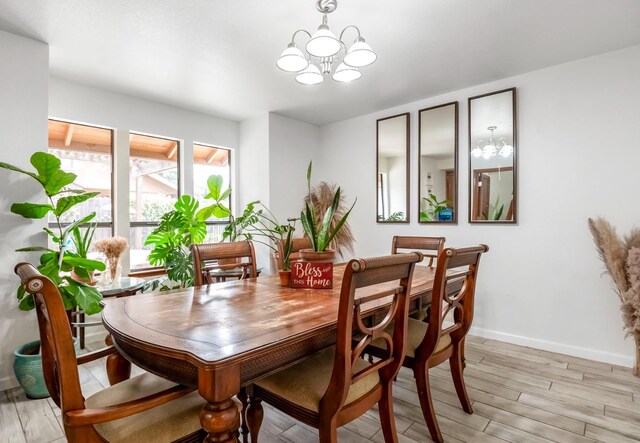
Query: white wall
x: 23, y: 94
x: 85, y: 104
x: 292, y: 145
x: 541, y: 283
x: 253, y: 167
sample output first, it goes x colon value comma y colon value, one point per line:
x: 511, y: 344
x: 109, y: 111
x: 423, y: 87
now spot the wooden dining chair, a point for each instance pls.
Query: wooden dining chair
x: 407, y: 243
x: 442, y: 338
x: 143, y: 408
x: 401, y: 244
x: 296, y: 245
x: 335, y: 386
x: 210, y: 257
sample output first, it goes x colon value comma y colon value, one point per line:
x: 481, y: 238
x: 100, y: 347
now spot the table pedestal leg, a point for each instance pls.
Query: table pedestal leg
x: 118, y: 367
x: 220, y: 420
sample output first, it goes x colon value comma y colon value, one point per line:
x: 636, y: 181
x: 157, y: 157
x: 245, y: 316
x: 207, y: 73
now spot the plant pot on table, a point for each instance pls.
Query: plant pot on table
x: 314, y: 256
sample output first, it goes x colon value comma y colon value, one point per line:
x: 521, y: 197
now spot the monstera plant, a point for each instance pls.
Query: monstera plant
x: 181, y: 227
x: 58, y: 262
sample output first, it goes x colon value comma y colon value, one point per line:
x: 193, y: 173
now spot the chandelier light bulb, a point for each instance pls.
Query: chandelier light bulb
x: 310, y: 75
x: 360, y: 54
x: 323, y: 43
x: 345, y: 73
x: 489, y: 150
x: 506, y: 150
x: 292, y: 59
x: 476, y: 152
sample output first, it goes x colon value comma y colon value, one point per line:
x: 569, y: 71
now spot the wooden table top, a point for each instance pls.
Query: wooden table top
x: 231, y: 322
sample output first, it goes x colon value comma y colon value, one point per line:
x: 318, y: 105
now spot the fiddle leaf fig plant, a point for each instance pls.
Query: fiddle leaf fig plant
x: 182, y: 227
x: 56, y: 263
x: 434, y: 207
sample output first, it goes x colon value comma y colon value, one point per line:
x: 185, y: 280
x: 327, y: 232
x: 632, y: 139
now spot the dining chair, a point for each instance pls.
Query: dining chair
x: 408, y: 243
x: 212, y: 257
x: 418, y: 244
x: 335, y: 386
x: 143, y: 408
x: 442, y: 338
x: 296, y: 245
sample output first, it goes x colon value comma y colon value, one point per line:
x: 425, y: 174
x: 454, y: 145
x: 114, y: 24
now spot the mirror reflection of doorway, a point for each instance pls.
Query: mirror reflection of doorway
x: 493, y: 194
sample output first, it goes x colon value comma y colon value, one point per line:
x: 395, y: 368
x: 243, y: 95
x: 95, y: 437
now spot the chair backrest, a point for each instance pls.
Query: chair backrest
x: 296, y: 245
x: 59, y: 363
x: 206, y: 258
x: 407, y: 243
x: 393, y: 273
x: 454, y: 290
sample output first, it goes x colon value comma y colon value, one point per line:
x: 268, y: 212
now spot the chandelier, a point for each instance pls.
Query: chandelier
x: 491, y: 148
x: 324, y: 51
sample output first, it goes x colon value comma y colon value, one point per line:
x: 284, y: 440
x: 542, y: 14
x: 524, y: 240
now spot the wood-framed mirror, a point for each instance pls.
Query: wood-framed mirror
x: 392, y: 169
x: 438, y: 164
x: 492, y: 157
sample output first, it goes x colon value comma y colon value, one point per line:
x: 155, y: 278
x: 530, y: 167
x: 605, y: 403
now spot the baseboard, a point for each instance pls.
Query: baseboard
x: 575, y: 351
x: 8, y: 382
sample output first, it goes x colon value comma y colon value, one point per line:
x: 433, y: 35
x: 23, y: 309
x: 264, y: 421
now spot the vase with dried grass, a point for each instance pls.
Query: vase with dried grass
x: 621, y: 258
x: 112, y: 248
x: 324, y: 220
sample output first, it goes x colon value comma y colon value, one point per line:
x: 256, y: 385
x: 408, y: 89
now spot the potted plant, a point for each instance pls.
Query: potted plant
x: 55, y: 263
x: 434, y: 207
x: 285, y: 272
x: 82, y: 243
x: 182, y: 227
x: 321, y: 231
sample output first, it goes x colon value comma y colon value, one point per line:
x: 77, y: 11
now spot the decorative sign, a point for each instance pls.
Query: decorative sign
x: 314, y: 275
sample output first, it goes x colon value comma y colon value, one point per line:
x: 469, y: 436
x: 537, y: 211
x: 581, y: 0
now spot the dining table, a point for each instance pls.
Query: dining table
x: 220, y: 337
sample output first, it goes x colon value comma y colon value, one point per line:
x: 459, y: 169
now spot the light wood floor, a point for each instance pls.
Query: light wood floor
x: 519, y: 395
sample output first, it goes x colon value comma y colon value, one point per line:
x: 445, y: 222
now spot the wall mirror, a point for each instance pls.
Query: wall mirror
x: 438, y: 165
x: 492, y: 157
x: 392, y: 170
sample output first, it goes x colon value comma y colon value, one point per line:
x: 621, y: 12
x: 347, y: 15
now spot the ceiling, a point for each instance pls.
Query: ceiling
x: 219, y: 56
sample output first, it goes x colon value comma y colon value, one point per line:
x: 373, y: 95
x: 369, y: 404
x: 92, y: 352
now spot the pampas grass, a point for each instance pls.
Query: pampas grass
x: 622, y: 261
x: 112, y: 248
x: 321, y: 200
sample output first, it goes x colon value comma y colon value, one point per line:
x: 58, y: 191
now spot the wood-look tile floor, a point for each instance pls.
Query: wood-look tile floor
x: 519, y: 395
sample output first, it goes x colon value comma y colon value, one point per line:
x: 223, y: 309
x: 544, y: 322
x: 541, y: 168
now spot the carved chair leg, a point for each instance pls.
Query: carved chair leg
x: 426, y: 403
x: 244, y: 429
x: 254, y: 417
x: 387, y: 420
x: 328, y: 432
x: 118, y: 367
x: 457, y: 372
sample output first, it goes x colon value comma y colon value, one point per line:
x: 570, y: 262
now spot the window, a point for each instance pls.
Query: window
x: 153, y: 188
x: 207, y: 161
x: 87, y: 151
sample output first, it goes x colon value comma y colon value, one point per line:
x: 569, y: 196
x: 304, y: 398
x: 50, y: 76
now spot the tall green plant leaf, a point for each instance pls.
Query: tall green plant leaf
x: 58, y: 180
x: 88, y: 264
x: 69, y: 201
x: 73, y: 225
x: 87, y: 297
x: 214, y: 183
x: 323, y: 235
x: 16, y: 169
x: 31, y: 210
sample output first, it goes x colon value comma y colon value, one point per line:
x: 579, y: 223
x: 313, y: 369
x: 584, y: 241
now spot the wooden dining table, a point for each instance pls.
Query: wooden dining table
x: 220, y: 337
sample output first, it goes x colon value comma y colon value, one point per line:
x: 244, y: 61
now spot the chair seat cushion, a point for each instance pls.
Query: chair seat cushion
x: 305, y: 383
x: 415, y: 334
x: 164, y: 423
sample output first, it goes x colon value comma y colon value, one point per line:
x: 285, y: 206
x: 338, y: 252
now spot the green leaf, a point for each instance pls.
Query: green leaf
x: 20, y: 292
x: 87, y: 297
x: 53, y: 235
x: 309, y: 168
x: 225, y: 194
x: 323, y: 235
x: 35, y: 249
x: 68, y: 299
x: 31, y: 210
x: 187, y: 206
x: 82, y: 273
x: 66, y: 203
x: 15, y: 168
x: 342, y: 221
x: 157, y: 239
x: 72, y: 226
x: 214, y: 183
x: 27, y: 303
x: 46, y: 164
x: 58, y: 180
x: 90, y: 265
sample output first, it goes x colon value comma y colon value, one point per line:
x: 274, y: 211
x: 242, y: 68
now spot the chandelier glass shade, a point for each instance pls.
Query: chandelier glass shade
x: 491, y: 148
x: 326, y: 54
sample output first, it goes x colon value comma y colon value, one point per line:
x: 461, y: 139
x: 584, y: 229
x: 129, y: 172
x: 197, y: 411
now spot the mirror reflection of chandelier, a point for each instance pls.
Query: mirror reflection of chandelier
x: 491, y: 148
x: 323, y: 52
